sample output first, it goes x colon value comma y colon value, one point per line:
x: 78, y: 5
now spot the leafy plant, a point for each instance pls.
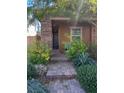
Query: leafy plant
x: 34, y: 86
x: 83, y: 59
x: 31, y: 71
x: 67, y: 46
x: 38, y: 53
x: 86, y: 74
x: 76, y: 47
x: 67, y: 8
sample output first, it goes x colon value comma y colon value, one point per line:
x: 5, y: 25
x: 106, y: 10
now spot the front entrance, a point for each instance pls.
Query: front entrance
x: 55, y: 37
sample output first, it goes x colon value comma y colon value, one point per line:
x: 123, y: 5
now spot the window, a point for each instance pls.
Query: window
x: 75, y: 33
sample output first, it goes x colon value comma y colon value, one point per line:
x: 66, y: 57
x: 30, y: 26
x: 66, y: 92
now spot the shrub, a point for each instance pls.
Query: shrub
x: 86, y: 74
x: 75, y: 48
x: 31, y: 71
x: 38, y: 53
x: 67, y: 46
x: 83, y: 59
x: 92, y: 50
x: 34, y: 86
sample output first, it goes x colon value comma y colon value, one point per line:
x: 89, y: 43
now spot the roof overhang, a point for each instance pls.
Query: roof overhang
x: 69, y: 19
x: 90, y: 20
x: 60, y: 18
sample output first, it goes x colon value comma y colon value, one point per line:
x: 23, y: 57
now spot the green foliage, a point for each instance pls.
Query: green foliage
x: 74, y: 9
x: 31, y: 71
x: 39, y: 53
x: 67, y: 46
x: 85, y: 66
x: 34, y: 86
x: 86, y: 74
x: 92, y: 50
x: 38, y: 14
x: 83, y: 59
x: 68, y: 8
x: 76, y: 47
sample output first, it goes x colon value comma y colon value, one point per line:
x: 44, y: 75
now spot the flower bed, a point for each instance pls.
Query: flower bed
x: 85, y: 65
x: 38, y: 55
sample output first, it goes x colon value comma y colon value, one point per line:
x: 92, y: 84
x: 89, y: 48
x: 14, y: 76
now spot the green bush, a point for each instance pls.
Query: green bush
x: 39, y: 53
x: 92, y: 50
x: 76, y: 47
x: 83, y: 59
x: 86, y: 74
x: 34, y: 86
x: 31, y: 71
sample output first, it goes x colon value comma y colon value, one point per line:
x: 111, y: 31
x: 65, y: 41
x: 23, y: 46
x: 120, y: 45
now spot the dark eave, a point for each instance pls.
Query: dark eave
x: 60, y: 18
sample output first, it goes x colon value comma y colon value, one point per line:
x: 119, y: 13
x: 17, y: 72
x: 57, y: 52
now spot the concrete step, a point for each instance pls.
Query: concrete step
x: 60, y: 77
x: 58, y: 59
x: 65, y: 86
x: 61, y: 70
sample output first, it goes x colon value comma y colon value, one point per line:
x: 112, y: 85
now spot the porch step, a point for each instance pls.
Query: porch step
x: 60, y: 70
x: 58, y: 59
x: 59, y: 77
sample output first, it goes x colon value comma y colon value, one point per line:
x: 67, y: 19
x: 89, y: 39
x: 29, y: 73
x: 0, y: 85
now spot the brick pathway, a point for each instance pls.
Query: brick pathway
x: 61, y: 75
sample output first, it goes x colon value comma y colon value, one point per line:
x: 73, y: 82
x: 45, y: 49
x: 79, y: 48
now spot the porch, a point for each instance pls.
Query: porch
x: 57, y: 32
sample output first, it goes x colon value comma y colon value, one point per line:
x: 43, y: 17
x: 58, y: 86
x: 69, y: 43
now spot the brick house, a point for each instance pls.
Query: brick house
x: 58, y: 31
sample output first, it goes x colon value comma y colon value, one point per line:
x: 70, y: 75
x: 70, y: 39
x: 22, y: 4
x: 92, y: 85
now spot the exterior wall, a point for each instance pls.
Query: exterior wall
x: 64, y: 36
x: 88, y: 34
x: 46, y: 32
x: 94, y: 35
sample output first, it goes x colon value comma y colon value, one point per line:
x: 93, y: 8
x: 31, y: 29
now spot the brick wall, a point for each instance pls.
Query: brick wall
x: 89, y: 34
x: 94, y: 34
x: 86, y: 34
x: 46, y: 32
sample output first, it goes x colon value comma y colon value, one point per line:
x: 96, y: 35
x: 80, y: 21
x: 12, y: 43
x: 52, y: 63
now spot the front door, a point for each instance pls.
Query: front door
x: 55, y: 38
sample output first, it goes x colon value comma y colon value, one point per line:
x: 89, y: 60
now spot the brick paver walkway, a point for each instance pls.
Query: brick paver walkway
x: 61, y: 75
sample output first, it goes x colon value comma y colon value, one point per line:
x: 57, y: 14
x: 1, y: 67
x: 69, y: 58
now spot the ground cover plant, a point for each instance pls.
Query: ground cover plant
x: 86, y: 74
x: 35, y: 86
x: 83, y: 59
x: 31, y: 71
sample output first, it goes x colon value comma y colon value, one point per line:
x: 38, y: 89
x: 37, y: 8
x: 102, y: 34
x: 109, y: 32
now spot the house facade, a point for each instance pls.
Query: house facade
x: 58, y: 31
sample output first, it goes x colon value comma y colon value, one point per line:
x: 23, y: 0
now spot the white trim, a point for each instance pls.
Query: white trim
x: 75, y: 27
